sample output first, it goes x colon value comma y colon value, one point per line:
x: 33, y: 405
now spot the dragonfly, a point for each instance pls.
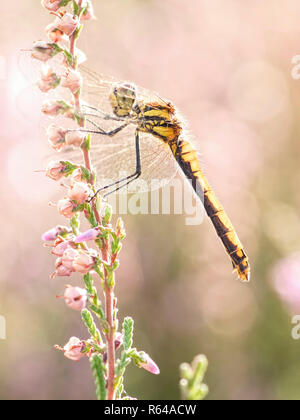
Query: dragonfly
x: 153, y: 141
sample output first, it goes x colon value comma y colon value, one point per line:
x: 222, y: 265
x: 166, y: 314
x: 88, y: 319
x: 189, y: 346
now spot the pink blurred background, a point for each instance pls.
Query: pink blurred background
x: 227, y: 65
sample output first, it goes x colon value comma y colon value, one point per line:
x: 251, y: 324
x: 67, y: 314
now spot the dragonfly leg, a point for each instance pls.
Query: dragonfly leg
x: 108, y: 133
x: 128, y: 179
x: 101, y: 131
x: 103, y: 115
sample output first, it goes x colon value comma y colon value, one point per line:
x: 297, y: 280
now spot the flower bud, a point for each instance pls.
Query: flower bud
x: 55, y: 170
x: 51, y: 5
x: 60, y: 246
x: 68, y: 258
x: 89, y: 235
x: 75, y: 138
x: 72, y: 80
x: 88, y: 12
x: 73, y: 349
x: 49, y: 80
x: 118, y: 342
x: 61, y: 270
x: 77, y: 176
x: 52, y: 234
x: 43, y: 51
x: 65, y: 207
x: 79, y: 192
x: 56, y: 137
x: 75, y: 298
x: 148, y: 364
x: 121, y: 233
x: 53, y: 108
x: 83, y: 262
x: 67, y: 23
x: 55, y: 34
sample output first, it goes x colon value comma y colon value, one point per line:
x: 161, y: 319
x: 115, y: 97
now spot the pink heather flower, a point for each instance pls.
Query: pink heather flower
x: 49, y: 80
x: 75, y: 138
x: 56, y: 137
x: 56, y: 170
x: 118, y: 340
x: 52, y: 234
x: 89, y: 235
x: 55, y: 34
x: 60, y: 246
x: 286, y: 281
x: 65, y: 207
x: 68, y: 258
x: 77, y: 176
x: 53, y: 108
x: 43, y: 51
x: 83, y: 262
x: 67, y: 23
x: 72, y: 80
x: 61, y: 270
x: 73, y: 349
x: 79, y: 192
x: 51, y: 5
x: 149, y: 364
x: 88, y: 13
x: 75, y: 297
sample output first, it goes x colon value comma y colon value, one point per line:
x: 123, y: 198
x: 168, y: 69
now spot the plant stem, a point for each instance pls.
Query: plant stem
x: 108, y: 291
x: 109, y: 300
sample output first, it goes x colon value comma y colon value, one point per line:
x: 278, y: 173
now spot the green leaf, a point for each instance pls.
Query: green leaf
x: 78, y: 29
x: 75, y: 224
x: 107, y: 214
x: 87, y: 143
x: 69, y: 57
x: 127, y: 331
x: 70, y: 167
x: 75, y: 8
x: 200, y: 365
x: 98, y: 370
x: 56, y: 49
x: 91, y: 216
x: 89, y: 283
x: 90, y: 324
x: 122, y: 365
x: 64, y: 3
x: 85, y: 173
x: 192, y: 375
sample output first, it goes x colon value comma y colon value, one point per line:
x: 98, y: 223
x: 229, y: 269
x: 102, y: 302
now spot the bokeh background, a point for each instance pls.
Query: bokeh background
x: 228, y: 65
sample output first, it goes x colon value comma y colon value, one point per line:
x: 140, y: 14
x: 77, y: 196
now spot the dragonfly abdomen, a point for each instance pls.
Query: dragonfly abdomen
x: 187, y: 159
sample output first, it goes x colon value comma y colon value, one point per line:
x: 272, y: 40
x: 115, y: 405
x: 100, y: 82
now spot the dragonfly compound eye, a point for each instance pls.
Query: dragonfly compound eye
x: 122, y: 99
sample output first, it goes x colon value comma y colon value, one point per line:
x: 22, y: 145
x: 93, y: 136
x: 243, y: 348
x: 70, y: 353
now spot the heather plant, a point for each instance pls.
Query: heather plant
x: 94, y: 252
x: 91, y: 252
x: 192, y: 375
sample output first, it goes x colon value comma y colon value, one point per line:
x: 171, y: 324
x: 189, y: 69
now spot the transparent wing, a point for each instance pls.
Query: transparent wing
x: 115, y: 158
x: 97, y: 87
x: 30, y: 68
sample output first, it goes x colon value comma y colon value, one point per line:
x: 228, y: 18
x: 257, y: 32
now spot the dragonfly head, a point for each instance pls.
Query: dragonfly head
x: 122, y: 99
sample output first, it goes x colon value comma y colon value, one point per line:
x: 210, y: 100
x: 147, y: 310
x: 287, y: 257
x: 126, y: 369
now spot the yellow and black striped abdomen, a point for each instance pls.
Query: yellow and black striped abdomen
x: 187, y: 159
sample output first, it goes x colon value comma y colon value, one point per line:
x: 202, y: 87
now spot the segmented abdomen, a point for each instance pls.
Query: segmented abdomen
x: 187, y: 159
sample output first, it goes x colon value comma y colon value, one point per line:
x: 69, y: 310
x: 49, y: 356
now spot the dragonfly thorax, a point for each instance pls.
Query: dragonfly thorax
x: 122, y: 99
